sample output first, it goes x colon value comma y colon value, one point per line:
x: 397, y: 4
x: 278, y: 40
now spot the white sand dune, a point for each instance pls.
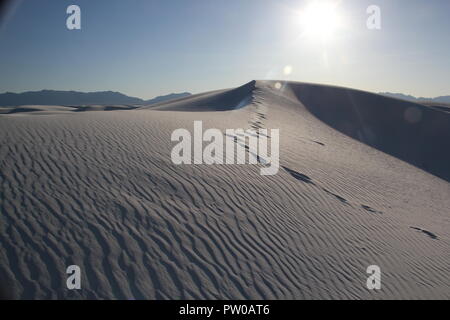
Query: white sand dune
x: 99, y: 190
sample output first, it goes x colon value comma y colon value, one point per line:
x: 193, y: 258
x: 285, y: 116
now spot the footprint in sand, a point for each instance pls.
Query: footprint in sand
x: 369, y: 209
x: 428, y: 233
x: 304, y: 178
x: 319, y: 143
x: 299, y: 176
x: 343, y: 200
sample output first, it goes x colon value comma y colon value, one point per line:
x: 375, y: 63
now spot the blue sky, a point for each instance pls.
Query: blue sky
x: 147, y: 48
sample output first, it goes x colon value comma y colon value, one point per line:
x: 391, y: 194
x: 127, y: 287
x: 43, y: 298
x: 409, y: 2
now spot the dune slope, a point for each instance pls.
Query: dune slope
x: 409, y: 131
x: 99, y: 190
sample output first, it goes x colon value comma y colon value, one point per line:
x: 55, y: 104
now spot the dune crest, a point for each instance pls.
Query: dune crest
x: 409, y: 131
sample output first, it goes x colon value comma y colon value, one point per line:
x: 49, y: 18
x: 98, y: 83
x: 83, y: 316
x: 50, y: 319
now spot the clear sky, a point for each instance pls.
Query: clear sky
x: 147, y: 48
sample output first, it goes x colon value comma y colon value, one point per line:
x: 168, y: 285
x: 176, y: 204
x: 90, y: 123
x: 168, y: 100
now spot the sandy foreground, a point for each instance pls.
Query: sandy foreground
x: 97, y: 188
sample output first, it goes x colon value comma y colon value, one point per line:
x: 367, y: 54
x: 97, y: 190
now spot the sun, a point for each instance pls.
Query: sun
x: 320, y: 20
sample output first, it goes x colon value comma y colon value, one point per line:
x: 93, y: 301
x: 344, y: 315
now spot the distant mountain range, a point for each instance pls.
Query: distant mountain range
x: 75, y: 98
x: 67, y: 98
x: 442, y: 99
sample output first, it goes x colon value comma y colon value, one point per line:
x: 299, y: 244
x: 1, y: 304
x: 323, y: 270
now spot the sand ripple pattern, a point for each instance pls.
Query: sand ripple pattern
x: 98, y: 189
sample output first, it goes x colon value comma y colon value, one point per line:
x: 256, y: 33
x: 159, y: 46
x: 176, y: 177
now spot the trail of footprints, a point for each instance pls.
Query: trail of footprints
x: 256, y: 122
x: 305, y: 179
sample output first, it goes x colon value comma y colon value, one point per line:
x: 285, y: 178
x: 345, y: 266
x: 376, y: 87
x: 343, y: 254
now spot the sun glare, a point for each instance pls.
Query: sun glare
x: 320, y: 20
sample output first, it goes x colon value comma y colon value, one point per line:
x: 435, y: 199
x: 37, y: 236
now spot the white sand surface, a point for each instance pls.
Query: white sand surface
x: 99, y: 190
